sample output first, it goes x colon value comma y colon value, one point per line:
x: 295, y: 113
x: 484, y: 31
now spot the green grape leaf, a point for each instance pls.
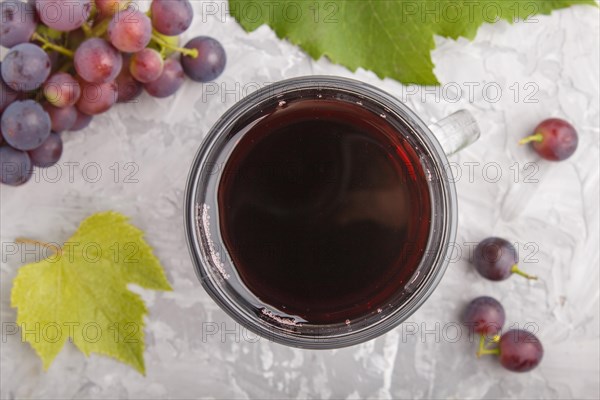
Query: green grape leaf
x: 80, y: 292
x: 392, y: 38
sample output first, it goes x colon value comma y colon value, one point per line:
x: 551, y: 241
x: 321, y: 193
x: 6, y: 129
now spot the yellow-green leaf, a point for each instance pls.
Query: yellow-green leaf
x: 81, y: 292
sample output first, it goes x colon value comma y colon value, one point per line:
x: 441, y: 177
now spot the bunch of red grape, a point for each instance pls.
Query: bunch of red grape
x: 72, y: 59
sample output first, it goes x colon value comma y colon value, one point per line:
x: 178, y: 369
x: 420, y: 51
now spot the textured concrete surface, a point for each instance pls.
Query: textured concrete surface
x: 551, y: 65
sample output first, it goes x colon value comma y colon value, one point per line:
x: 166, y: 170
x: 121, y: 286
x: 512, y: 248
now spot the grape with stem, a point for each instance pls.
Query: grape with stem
x: 209, y: 63
x: 553, y: 139
x: 518, y: 350
x: 496, y: 259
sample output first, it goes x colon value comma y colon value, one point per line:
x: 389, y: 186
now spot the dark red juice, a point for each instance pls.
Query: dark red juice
x: 325, y: 210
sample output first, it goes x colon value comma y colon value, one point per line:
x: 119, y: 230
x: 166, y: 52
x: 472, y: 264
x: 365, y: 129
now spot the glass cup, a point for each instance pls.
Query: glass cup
x: 215, y: 268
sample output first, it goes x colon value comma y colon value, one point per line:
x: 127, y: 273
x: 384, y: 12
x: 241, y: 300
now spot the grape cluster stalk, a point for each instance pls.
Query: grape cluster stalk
x: 69, y: 60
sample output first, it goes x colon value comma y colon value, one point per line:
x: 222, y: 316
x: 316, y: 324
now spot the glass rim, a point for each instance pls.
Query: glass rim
x: 441, y: 249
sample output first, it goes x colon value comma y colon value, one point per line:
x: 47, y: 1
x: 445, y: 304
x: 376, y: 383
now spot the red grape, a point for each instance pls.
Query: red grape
x: 171, y: 17
x: 107, y: 8
x: 7, y: 95
x: 127, y: 87
x: 496, y: 259
x: 485, y: 314
x: 169, y: 81
x: 48, y: 153
x: 554, y: 139
x: 15, y: 166
x: 61, y: 119
x: 62, y: 90
x: 130, y: 30
x: 210, y: 62
x: 146, y: 65
x: 82, y: 121
x: 96, y: 98
x: 18, y: 23
x: 97, y: 61
x: 520, y: 350
x: 25, y: 125
x: 25, y: 67
x: 63, y: 15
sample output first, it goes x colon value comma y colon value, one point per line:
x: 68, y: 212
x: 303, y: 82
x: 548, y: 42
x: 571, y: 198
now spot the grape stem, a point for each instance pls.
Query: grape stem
x: 93, y: 14
x: 66, y: 67
x: 484, y: 350
x: 56, y: 249
x: 515, y: 270
x: 86, y: 30
x: 39, y: 95
x: 46, y: 44
x: 166, y: 45
x: 538, y: 137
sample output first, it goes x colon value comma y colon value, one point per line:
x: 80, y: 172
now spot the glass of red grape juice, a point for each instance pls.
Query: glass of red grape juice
x: 319, y: 210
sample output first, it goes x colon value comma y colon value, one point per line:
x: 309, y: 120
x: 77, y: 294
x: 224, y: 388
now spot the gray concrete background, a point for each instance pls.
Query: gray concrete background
x: 554, y: 60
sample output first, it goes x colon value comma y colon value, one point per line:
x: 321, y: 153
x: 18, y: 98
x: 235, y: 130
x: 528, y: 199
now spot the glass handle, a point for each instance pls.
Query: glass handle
x: 456, y: 131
